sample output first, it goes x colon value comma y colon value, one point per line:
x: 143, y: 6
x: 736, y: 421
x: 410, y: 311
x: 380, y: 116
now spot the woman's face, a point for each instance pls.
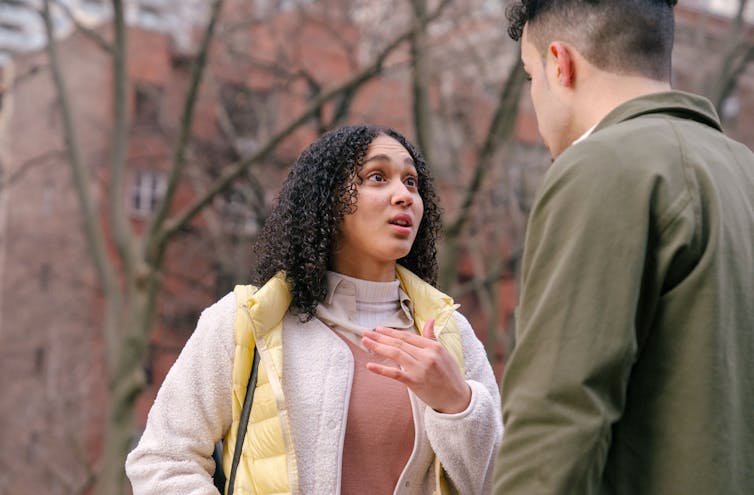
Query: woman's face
x: 388, y: 212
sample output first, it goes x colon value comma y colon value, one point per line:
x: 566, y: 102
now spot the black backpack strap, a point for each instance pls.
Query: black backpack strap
x: 219, y: 477
x: 244, y: 421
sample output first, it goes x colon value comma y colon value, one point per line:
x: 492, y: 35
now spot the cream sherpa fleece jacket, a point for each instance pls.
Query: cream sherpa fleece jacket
x: 193, y: 410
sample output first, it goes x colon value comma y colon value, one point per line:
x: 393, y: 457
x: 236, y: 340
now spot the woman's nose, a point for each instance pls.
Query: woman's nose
x: 402, y: 195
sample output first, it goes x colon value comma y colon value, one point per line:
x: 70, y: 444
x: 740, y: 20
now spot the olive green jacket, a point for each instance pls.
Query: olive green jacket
x: 633, y: 371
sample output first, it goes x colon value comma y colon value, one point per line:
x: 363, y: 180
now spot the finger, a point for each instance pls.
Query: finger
x: 394, y: 349
x: 429, y: 329
x: 403, y: 340
x: 388, y: 372
x: 404, y: 336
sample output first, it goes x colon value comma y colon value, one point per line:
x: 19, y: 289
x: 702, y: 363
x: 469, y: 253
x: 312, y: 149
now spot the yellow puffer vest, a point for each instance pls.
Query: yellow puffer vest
x: 268, y: 459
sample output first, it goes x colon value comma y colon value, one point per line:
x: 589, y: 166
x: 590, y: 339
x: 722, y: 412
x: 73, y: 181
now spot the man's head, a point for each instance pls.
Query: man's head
x: 626, y: 37
x: 584, y: 57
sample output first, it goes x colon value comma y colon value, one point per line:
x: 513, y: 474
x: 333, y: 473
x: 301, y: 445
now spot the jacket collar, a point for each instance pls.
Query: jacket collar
x: 429, y: 302
x: 677, y: 103
x: 269, y: 305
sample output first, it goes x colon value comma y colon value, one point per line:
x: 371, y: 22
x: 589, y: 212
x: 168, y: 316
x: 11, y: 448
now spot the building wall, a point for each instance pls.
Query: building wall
x: 50, y: 354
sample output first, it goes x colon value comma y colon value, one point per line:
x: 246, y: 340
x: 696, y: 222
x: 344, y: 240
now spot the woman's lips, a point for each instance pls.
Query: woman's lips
x: 402, y: 224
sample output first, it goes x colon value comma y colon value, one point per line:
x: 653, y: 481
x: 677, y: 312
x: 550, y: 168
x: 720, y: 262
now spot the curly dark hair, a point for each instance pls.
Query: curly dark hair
x: 300, y: 234
x: 621, y: 36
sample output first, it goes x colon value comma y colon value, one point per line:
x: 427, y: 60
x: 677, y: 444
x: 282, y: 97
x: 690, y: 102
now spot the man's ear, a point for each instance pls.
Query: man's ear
x: 564, y: 63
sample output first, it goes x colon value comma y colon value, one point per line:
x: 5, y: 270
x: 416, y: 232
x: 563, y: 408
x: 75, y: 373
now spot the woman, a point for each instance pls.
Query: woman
x: 361, y: 388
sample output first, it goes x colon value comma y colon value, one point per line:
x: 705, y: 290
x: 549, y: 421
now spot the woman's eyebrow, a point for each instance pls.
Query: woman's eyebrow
x: 377, y: 158
x: 385, y: 158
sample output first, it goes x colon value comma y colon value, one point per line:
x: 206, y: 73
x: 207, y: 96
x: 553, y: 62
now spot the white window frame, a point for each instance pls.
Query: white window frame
x: 148, y: 189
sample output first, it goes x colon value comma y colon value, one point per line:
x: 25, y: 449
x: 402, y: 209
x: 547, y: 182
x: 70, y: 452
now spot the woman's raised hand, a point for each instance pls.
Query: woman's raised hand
x: 426, y: 367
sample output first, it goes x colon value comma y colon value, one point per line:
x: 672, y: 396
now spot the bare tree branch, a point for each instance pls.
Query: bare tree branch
x: 240, y: 168
x: 421, y: 110
x: 122, y: 232
x: 345, y: 44
x: 228, y: 129
x: 93, y: 35
x: 342, y: 108
x: 243, y: 24
x: 27, y: 166
x: 737, y: 53
x: 487, y: 295
x: 499, y: 132
x: 278, y: 68
x: 500, y: 271
x: 187, y: 118
x: 92, y: 229
x: 79, y: 450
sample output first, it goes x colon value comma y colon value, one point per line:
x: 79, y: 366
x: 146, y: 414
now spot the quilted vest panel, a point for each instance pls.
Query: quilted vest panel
x: 267, y: 457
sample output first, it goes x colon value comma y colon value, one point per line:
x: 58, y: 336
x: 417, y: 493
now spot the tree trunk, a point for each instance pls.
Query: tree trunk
x: 118, y: 437
x: 126, y: 381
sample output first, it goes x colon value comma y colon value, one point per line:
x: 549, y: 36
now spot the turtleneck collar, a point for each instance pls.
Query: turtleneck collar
x: 340, y: 309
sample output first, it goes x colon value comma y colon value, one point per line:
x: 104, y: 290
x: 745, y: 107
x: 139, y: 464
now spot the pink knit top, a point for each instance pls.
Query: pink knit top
x: 380, y: 430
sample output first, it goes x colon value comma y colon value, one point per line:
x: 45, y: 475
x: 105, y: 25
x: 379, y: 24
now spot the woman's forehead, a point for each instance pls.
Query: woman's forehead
x: 388, y: 148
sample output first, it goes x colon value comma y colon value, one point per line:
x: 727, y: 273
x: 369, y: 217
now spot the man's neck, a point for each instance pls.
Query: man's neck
x: 607, y: 92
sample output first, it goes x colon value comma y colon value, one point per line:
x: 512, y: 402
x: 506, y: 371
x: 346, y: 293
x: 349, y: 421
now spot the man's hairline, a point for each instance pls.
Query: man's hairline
x: 543, y: 46
x: 583, y: 45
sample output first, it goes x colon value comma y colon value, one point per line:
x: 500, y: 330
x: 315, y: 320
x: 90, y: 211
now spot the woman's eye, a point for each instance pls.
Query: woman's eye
x: 376, y: 177
x: 411, y: 182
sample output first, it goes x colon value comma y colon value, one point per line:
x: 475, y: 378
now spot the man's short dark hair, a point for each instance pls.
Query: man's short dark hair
x: 632, y: 37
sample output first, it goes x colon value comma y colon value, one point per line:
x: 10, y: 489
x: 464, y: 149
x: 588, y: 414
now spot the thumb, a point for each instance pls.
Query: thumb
x: 429, y: 329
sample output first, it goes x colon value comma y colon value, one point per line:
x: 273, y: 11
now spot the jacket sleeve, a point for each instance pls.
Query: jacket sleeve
x: 466, y: 442
x: 565, y: 383
x: 191, y: 413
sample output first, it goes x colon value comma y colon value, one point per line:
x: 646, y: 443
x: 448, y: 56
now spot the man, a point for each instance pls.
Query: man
x: 633, y: 371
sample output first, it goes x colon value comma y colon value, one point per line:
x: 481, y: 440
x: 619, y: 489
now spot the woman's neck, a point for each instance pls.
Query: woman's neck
x: 366, y: 270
